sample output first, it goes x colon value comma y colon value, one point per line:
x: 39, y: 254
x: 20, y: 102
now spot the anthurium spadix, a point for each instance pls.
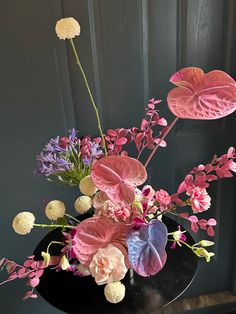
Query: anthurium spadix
x: 202, y: 96
x: 118, y: 176
x: 146, y: 248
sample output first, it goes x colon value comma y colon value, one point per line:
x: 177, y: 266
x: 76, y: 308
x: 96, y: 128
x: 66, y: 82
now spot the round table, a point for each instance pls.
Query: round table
x: 81, y: 295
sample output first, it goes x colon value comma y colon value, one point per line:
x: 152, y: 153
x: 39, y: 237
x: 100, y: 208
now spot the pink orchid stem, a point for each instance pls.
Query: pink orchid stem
x: 161, y: 139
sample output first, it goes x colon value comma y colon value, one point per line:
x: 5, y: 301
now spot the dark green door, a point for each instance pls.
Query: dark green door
x: 129, y: 49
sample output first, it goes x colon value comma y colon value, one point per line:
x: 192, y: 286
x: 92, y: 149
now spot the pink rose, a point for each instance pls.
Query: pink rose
x: 200, y: 200
x: 108, y: 265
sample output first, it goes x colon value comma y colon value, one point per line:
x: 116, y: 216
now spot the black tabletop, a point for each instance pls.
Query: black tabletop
x: 81, y: 295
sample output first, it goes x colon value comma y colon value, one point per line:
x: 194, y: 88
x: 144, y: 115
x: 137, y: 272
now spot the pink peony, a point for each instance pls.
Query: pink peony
x: 163, y: 198
x: 108, y: 265
x: 200, y: 200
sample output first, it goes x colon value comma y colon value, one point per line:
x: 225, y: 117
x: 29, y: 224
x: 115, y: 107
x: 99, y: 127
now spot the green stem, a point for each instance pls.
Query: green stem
x: 189, y: 246
x: 53, y: 226
x: 53, y: 242
x: 90, y: 94
x: 72, y: 218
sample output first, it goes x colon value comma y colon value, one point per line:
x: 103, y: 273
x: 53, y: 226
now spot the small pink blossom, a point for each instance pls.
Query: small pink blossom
x: 148, y: 192
x: 200, y: 200
x: 108, y: 265
x: 163, y: 198
x: 105, y: 207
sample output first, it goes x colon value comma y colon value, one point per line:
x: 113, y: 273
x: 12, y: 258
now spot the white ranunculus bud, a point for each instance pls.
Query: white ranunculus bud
x: 83, y: 204
x: 114, y: 292
x: 55, y: 209
x: 67, y: 28
x: 23, y: 222
x: 87, y: 186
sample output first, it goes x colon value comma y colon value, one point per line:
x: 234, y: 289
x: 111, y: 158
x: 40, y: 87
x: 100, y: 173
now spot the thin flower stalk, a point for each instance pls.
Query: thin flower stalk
x: 161, y: 139
x: 90, y: 94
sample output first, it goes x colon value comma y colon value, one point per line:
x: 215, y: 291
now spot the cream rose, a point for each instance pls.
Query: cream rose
x: 108, y: 265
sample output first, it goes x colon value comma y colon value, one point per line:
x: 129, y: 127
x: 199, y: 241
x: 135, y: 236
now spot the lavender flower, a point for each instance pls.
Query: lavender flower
x: 68, y: 159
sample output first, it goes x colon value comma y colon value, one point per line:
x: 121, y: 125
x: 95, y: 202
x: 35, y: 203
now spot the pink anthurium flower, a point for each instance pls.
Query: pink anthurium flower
x: 118, y: 176
x: 202, y: 96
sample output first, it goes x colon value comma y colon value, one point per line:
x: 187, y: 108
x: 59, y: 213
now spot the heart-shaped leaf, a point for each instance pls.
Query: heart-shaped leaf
x: 202, y: 96
x: 146, y: 248
x: 96, y: 232
x: 118, y: 176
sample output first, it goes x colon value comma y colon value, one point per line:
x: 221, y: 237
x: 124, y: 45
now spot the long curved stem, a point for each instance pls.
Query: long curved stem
x: 90, y: 94
x: 161, y: 139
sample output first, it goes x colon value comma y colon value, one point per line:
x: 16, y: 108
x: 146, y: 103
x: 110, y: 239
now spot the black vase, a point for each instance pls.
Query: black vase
x: 81, y: 295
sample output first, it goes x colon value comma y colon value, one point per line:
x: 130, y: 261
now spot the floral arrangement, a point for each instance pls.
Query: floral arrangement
x: 124, y: 229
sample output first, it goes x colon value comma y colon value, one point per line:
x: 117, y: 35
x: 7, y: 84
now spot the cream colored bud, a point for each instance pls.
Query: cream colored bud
x: 55, y: 209
x: 87, y: 186
x: 83, y: 204
x: 67, y: 28
x: 206, y: 243
x: 64, y: 263
x: 46, y: 256
x: 114, y: 292
x: 23, y: 223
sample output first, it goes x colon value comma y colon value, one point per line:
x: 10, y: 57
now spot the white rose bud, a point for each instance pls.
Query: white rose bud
x: 67, y: 28
x: 87, y: 186
x: 23, y: 223
x: 55, y: 209
x: 114, y: 292
x: 83, y: 204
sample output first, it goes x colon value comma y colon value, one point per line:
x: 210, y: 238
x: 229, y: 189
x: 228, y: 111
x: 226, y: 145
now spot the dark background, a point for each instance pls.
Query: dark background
x: 129, y: 49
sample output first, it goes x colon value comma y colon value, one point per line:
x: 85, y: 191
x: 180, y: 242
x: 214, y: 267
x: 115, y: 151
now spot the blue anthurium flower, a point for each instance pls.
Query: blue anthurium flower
x: 146, y: 248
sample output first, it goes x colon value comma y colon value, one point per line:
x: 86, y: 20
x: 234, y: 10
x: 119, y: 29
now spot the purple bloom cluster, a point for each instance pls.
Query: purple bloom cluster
x: 68, y: 158
x: 53, y: 158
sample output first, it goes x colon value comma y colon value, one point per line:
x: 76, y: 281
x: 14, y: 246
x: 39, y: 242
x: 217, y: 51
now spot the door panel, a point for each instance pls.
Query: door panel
x: 129, y: 49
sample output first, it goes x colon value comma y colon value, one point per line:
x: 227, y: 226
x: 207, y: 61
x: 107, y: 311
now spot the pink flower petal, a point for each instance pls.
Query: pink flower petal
x: 118, y: 176
x: 202, y: 96
x: 96, y: 232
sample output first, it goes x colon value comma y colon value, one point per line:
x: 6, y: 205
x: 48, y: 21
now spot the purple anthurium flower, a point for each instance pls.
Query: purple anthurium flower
x: 146, y: 248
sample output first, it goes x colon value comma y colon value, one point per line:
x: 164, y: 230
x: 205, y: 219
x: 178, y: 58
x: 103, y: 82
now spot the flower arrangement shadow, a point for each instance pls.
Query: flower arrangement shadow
x: 125, y: 228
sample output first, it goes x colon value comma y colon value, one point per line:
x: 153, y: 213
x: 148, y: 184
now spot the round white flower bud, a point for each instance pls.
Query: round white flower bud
x: 55, y: 209
x: 23, y: 222
x: 87, y: 186
x: 83, y: 204
x: 67, y: 28
x: 114, y: 292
